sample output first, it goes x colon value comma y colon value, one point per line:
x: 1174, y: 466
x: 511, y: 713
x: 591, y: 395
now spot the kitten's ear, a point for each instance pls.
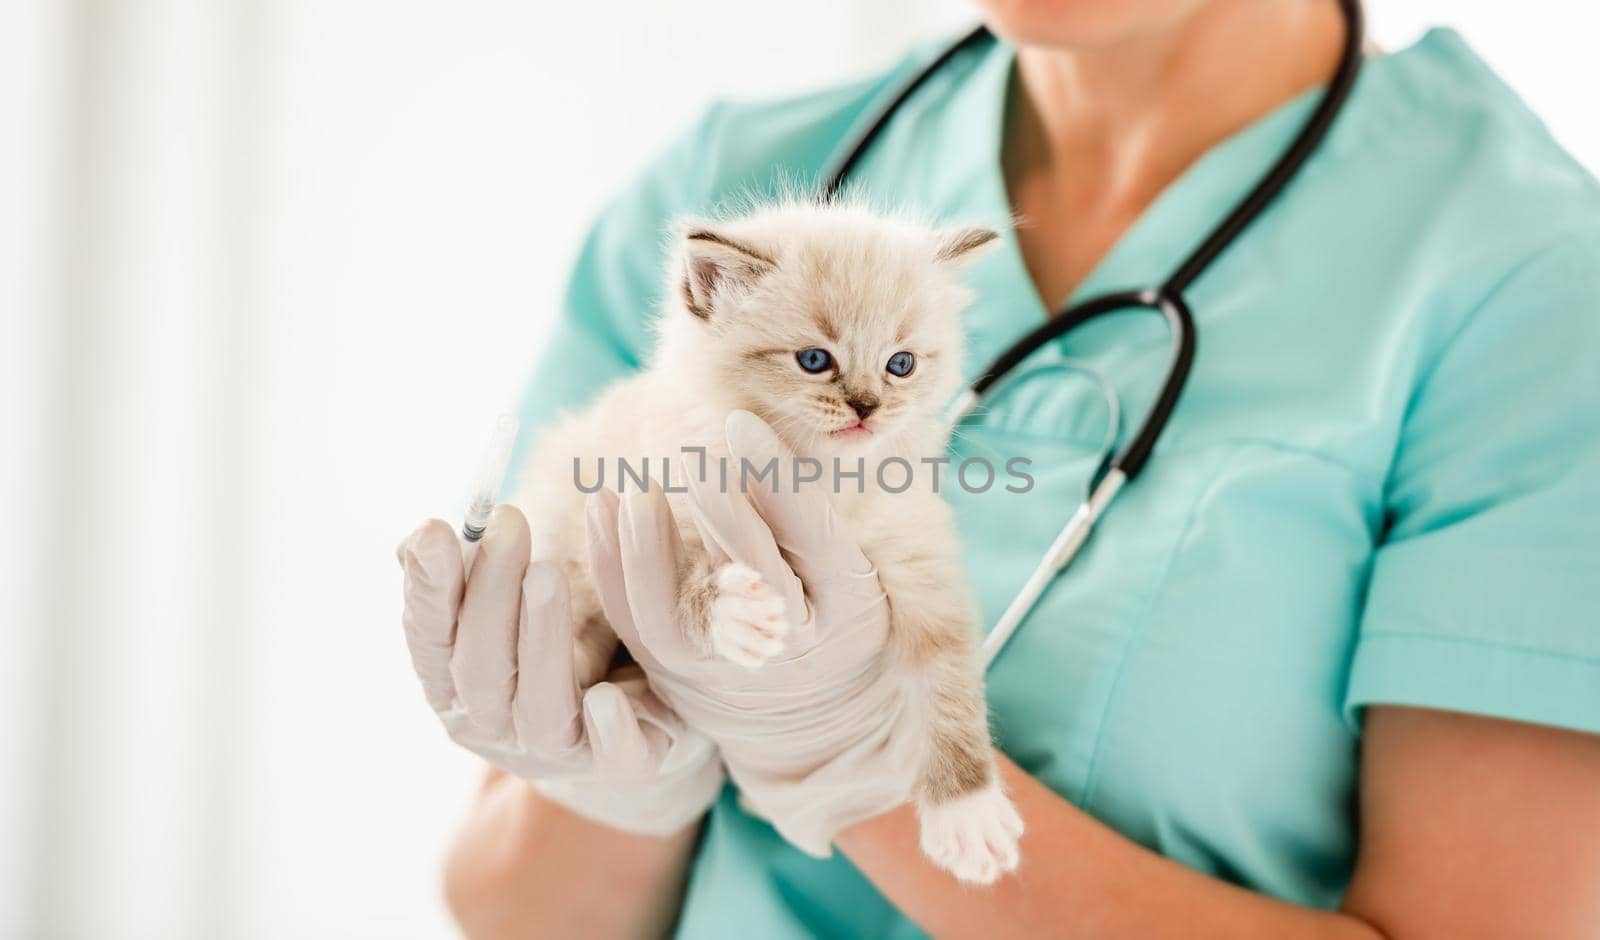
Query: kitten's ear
x: 713, y: 264
x: 964, y: 244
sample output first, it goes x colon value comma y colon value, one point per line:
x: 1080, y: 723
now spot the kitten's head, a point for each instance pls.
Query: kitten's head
x: 840, y: 327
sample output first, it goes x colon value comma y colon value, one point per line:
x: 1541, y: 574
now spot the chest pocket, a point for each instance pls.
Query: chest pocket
x: 1181, y: 679
x: 1049, y: 689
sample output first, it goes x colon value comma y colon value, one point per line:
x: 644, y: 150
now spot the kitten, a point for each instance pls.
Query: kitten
x: 841, y: 329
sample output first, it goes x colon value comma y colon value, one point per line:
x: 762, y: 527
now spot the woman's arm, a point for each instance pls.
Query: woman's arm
x: 1078, y: 878
x: 1471, y: 827
x: 523, y: 866
x: 1477, y: 827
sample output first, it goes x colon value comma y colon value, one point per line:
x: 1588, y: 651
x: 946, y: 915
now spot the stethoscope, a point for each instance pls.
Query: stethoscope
x: 1116, y: 467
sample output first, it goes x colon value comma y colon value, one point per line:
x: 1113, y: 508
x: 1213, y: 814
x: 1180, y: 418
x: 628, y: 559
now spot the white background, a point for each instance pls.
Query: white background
x: 268, y: 271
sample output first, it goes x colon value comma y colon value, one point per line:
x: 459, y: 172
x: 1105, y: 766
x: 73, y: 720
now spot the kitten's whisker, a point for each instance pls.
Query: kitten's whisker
x: 988, y: 451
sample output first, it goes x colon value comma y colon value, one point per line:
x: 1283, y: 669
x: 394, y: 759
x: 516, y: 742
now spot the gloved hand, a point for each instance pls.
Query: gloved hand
x: 494, y: 652
x: 818, y: 738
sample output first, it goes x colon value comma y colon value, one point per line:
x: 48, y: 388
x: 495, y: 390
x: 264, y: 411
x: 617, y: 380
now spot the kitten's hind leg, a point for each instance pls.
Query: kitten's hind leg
x: 968, y: 824
x: 732, y: 612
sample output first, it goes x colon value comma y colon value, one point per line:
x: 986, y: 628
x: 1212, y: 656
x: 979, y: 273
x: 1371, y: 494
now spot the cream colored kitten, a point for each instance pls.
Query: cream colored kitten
x: 841, y: 329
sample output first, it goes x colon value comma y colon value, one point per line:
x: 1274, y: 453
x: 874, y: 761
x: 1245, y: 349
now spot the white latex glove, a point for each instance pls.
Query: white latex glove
x: 495, y: 656
x: 820, y: 737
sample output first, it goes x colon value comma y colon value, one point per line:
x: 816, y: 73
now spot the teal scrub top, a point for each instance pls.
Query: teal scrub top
x: 1381, y: 485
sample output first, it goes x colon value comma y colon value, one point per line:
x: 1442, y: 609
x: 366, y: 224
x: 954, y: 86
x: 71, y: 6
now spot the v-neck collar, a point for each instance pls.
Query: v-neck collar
x: 946, y: 148
x: 1180, y: 216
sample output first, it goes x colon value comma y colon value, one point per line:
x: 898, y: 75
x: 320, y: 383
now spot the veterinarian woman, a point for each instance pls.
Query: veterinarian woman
x: 1331, y: 665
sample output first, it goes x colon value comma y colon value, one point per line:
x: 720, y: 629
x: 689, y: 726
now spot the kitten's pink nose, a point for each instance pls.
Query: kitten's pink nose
x: 863, y: 406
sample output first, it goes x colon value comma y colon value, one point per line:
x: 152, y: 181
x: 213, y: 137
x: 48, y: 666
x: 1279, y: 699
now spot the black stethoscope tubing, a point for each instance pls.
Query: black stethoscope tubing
x: 1167, y: 298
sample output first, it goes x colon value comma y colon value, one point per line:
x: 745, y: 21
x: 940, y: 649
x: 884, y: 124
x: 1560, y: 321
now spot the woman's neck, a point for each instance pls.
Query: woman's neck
x: 1095, y: 134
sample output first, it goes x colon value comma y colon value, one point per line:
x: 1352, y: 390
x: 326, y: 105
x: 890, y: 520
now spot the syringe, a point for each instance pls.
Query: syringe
x: 486, y: 486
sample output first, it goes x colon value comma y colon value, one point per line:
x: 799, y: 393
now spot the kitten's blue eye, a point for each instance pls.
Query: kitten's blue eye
x: 901, y: 364
x: 814, y: 360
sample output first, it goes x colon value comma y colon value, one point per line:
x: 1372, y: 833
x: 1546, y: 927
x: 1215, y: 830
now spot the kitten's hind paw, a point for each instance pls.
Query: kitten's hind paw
x: 747, y: 624
x: 974, y: 837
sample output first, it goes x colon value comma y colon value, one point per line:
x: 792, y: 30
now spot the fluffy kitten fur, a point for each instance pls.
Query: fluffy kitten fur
x: 743, y: 297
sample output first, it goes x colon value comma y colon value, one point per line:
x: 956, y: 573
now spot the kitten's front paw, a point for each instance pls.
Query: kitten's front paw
x: 747, y: 623
x: 974, y: 837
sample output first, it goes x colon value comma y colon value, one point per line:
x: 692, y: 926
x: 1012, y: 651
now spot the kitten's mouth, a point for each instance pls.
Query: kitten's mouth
x: 859, y: 429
